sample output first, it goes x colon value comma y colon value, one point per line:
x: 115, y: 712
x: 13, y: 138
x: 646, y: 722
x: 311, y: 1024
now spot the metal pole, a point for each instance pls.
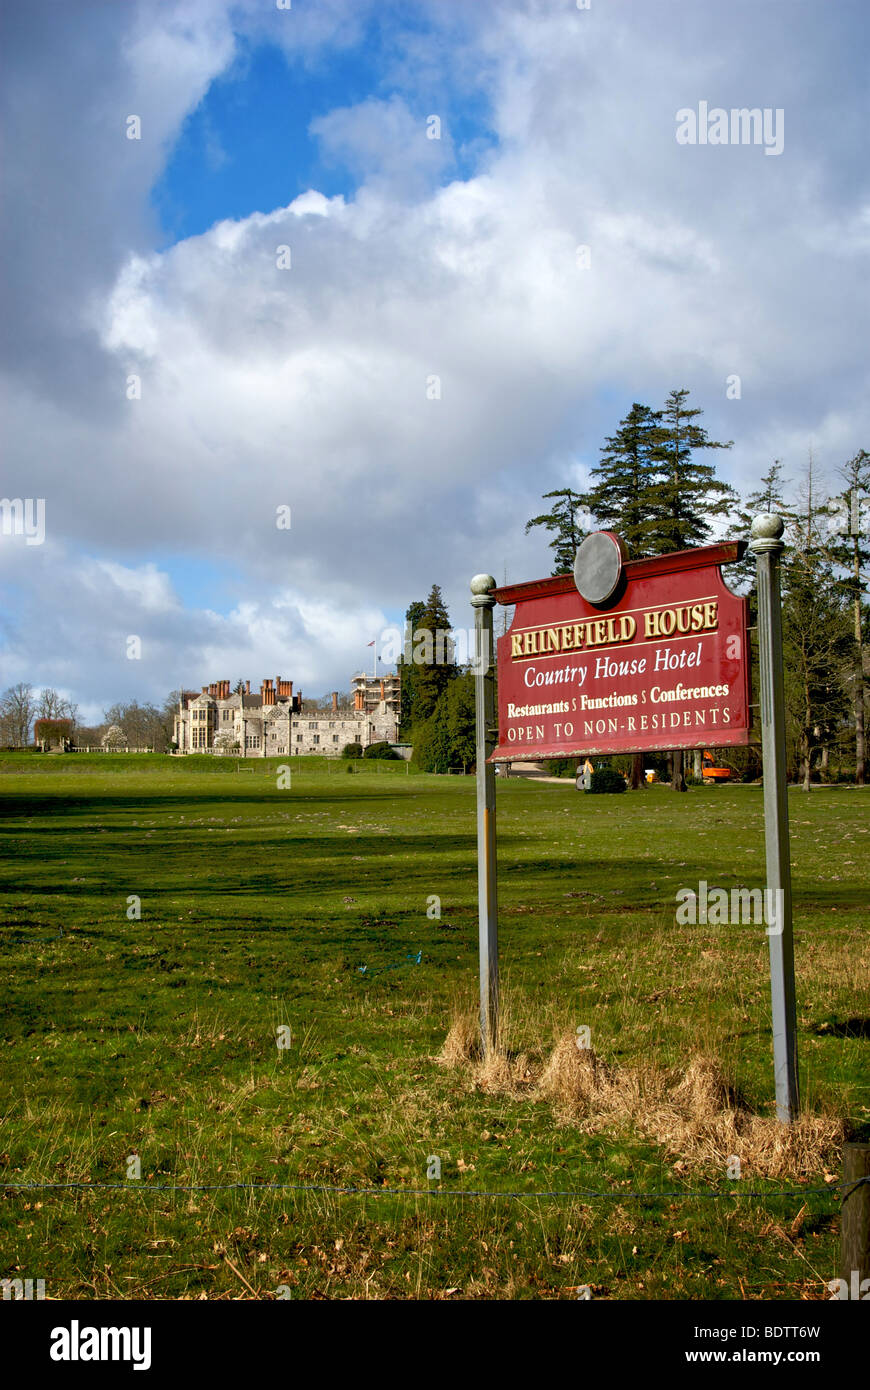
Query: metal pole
x: 487, y: 906
x: 767, y: 545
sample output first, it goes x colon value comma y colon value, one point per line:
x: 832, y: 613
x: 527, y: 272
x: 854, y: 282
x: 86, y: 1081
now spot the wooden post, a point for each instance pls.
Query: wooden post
x: 855, y: 1217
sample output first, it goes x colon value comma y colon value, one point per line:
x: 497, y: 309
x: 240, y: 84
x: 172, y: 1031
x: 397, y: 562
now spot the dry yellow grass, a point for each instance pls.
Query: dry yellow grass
x: 694, y: 1115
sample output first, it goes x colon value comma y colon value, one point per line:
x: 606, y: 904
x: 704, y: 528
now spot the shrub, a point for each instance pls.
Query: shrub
x: 380, y: 750
x: 607, y: 779
x: 352, y: 750
x: 560, y: 767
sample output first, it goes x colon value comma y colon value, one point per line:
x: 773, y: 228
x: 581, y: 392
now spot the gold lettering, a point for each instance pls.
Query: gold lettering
x: 650, y: 624
x: 711, y: 614
x: 516, y: 644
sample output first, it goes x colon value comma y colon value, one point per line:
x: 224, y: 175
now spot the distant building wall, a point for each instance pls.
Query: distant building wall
x: 273, y: 723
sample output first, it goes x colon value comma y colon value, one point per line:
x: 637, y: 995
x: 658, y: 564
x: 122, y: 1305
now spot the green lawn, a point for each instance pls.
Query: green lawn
x: 261, y: 905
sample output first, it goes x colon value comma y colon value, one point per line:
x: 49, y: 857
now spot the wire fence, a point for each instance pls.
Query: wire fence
x: 576, y: 1194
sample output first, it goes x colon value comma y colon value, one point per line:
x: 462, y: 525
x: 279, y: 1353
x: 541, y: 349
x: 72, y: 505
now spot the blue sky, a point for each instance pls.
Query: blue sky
x: 248, y: 146
x: 414, y: 262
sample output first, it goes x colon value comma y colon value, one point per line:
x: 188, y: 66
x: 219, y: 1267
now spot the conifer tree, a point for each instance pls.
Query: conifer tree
x: 565, y: 520
x: 407, y: 669
x: 433, y: 655
x: 621, y: 497
x: 687, y: 494
x: 767, y: 497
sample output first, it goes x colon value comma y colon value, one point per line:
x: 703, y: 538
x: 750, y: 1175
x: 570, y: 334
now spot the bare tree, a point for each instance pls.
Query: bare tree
x: 52, y: 705
x: 851, y: 553
x: 817, y: 640
x: 17, y: 708
x: 143, y: 725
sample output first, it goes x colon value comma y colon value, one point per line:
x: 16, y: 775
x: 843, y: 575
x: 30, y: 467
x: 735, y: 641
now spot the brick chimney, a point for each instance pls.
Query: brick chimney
x: 335, y: 702
x: 267, y: 691
x: 205, y: 690
x: 247, y: 687
x: 382, y: 690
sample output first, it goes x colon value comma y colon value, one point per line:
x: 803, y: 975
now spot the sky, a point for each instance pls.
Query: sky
x: 400, y: 269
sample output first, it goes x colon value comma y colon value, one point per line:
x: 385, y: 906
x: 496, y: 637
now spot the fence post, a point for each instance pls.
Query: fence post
x: 855, y: 1218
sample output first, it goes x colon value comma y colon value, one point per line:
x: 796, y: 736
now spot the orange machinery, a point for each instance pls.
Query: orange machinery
x: 711, y: 773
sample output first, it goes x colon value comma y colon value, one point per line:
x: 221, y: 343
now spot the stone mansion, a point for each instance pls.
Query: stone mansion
x: 274, y: 724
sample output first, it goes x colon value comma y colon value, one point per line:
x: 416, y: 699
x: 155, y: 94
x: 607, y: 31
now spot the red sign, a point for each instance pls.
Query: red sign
x: 661, y: 664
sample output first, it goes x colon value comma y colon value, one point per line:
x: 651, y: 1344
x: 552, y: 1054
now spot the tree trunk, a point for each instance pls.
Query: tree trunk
x: 806, y: 745
x: 678, y: 781
x: 636, y: 781
x: 823, y: 763
x: 806, y: 752
x: 698, y: 767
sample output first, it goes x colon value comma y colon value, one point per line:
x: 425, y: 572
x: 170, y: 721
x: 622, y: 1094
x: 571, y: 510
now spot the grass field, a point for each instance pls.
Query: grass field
x: 304, y: 909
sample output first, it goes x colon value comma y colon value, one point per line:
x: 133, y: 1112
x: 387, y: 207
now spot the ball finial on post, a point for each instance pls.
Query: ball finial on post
x: 766, y: 532
x: 481, y: 591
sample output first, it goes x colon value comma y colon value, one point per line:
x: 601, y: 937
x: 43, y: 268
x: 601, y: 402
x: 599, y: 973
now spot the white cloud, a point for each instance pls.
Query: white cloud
x: 308, y: 386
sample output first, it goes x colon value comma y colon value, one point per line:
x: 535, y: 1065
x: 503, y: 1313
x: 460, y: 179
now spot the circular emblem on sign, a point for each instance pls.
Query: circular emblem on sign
x: 598, y: 565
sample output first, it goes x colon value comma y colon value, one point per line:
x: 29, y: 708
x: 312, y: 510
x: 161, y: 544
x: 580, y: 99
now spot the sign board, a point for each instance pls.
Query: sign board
x: 655, y: 657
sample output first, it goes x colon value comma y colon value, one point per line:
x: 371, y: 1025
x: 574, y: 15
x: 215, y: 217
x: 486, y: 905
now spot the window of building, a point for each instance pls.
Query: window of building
x: 312, y: 725
x: 335, y: 738
x: 298, y: 738
x: 317, y: 738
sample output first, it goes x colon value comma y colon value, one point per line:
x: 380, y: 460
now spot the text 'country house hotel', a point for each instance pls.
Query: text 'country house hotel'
x: 274, y: 724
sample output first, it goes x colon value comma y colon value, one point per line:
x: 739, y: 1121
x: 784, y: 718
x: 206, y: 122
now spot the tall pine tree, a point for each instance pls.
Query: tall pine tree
x: 565, y: 520
x: 686, y: 495
x: 767, y: 497
x: 408, y: 671
x: 621, y: 497
x: 433, y: 655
